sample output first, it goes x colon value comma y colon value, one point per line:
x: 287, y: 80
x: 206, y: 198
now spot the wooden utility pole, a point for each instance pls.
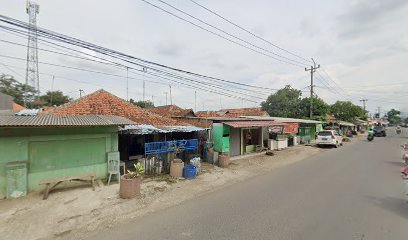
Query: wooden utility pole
x: 312, y: 70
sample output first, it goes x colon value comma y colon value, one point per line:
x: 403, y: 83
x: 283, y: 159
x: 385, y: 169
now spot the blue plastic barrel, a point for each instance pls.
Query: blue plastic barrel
x: 189, y: 172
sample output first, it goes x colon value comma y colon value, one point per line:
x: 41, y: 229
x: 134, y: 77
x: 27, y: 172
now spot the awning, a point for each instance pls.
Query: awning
x: 347, y: 124
x: 149, y: 129
x: 243, y: 124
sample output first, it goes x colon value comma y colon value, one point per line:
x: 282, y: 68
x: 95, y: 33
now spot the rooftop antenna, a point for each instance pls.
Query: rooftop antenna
x: 32, y: 74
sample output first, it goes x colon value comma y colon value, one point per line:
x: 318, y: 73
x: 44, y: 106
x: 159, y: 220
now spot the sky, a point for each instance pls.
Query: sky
x: 361, y: 46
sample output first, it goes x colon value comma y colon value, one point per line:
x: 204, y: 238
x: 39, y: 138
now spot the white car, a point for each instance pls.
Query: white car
x: 329, y: 137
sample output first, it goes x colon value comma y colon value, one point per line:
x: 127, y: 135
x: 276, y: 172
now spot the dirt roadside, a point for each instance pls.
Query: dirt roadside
x: 77, y: 212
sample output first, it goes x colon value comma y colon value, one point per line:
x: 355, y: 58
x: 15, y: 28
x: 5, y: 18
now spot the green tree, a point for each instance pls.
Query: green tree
x: 284, y: 103
x: 393, y: 116
x: 142, y: 104
x: 320, y: 107
x: 17, y: 90
x: 346, y: 111
x: 54, y: 98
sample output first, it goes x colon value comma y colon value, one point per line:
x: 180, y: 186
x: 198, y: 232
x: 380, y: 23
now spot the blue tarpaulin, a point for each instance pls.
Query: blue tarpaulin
x: 171, y: 146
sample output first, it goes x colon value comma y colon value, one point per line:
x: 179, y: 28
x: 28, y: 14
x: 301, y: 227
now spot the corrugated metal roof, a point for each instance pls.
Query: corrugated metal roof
x: 284, y: 120
x: 141, y: 129
x: 183, y: 129
x: 149, y: 129
x: 62, y: 121
x: 242, y: 124
x: 28, y: 112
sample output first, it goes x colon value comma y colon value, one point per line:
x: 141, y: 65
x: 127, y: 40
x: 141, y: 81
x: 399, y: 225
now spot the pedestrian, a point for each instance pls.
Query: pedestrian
x: 404, y: 175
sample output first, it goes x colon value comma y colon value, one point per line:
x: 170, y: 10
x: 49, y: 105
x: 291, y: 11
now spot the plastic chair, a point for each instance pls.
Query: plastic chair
x: 113, y: 168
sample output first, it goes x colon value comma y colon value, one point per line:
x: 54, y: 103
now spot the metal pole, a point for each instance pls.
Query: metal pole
x: 127, y: 83
x: 52, y: 89
x: 171, y: 100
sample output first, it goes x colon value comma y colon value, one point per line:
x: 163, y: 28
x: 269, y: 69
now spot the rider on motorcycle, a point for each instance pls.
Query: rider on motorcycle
x: 371, y: 131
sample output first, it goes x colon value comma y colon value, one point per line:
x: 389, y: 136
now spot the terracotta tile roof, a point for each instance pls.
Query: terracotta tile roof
x: 102, y: 102
x: 172, y: 111
x: 330, y: 118
x: 18, y: 107
x: 207, y: 114
x: 242, y: 124
x: 234, y: 113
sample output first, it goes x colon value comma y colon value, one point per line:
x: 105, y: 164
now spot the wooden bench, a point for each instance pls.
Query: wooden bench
x: 52, y: 183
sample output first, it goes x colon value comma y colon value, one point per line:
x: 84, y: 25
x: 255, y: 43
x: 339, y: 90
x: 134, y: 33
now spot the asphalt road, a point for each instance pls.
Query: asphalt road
x: 353, y: 192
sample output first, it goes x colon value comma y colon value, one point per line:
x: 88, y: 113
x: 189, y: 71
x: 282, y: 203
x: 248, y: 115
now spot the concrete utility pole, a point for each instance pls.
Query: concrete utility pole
x: 52, y: 89
x: 144, y: 87
x: 195, y: 101
x: 80, y: 93
x: 171, y: 100
x: 312, y: 70
x: 32, y: 74
x: 127, y: 84
x: 364, y: 105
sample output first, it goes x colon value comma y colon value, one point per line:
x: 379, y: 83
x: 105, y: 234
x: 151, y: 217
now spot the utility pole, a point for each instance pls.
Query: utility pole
x: 80, y: 93
x: 144, y: 86
x: 195, y: 101
x: 32, y: 74
x: 171, y: 100
x: 364, y: 105
x: 312, y: 70
x: 127, y: 84
x: 379, y: 112
x: 152, y: 99
x: 52, y: 89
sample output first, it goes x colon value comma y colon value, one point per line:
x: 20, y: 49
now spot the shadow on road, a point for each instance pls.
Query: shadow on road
x: 397, y: 205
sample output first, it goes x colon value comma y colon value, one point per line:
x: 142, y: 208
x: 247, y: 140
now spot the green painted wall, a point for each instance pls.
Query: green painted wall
x: 221, y: 137
x: 56, y: 152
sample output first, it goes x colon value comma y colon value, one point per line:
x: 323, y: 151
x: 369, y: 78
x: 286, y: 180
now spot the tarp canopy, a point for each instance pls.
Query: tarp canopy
x: 243, y: 124
x: 149, y: 129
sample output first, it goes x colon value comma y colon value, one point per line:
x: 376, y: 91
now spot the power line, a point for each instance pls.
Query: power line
x: 97, y: 49
x: 184, y: 78
x: 249, y: 32
x: 219, y: 35
x: 227, y: 33
x: 114, y: 75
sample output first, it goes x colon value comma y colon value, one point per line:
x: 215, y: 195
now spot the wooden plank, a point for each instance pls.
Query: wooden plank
x: 67, y: 178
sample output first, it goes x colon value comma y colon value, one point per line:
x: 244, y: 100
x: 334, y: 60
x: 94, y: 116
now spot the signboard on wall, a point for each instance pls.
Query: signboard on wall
x: 275, y: 129
x: 291, y: 128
